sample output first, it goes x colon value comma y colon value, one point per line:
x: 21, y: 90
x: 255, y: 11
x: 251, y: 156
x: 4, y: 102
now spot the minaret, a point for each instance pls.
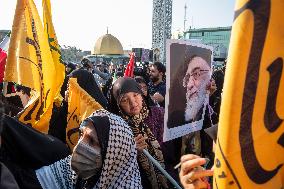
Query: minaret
x: 161, y: 28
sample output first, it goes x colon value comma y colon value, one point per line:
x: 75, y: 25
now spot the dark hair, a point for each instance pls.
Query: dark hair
x: 72, y: 66
x: 160, y: 67
x: 86, y: 63
x: 26, y: 90
x: 119, y: 74
x: 104, y: 63
x: 140, y: 79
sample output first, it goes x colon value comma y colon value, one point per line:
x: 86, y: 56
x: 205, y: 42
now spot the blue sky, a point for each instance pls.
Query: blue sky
x: 81, y: 23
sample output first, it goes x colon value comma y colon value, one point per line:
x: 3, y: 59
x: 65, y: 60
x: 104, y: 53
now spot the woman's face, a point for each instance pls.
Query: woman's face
x: 67, y: 69
x: 131, y: 103
x: 144, y: 88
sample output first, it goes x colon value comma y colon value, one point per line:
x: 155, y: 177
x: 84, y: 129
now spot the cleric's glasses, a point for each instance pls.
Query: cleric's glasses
x: 195, y: 74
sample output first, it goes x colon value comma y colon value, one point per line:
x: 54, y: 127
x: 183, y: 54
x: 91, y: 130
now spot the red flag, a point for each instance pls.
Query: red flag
x: 129, y: 72
x: 4, y: 45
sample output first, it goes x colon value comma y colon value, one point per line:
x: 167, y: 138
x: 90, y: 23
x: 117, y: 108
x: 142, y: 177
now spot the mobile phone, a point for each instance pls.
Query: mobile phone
x: 207, y: 163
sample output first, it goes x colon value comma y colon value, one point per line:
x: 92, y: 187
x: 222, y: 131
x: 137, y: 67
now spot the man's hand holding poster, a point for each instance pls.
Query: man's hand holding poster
x: 188, y: 75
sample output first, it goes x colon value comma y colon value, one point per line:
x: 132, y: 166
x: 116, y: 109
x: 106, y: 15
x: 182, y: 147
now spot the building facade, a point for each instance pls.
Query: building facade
x: 218, y: 38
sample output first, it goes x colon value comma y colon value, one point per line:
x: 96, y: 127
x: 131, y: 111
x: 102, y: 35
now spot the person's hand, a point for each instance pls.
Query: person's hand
x: 192, y: 175
x: 211, y: 87
x: 157, y: 97
x: 140, y: 142
x: 66, y: 93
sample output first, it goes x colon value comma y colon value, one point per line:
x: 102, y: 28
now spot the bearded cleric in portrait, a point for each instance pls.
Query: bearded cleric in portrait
x: 190, y: 72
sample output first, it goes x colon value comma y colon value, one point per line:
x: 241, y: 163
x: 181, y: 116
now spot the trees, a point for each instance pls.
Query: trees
x: 72, y: 54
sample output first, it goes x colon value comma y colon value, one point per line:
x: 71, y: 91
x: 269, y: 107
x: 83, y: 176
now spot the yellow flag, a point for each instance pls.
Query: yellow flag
x: 80, y: 106
x: 53, y: 44
x: 250, y: 145
x: 30, y: 63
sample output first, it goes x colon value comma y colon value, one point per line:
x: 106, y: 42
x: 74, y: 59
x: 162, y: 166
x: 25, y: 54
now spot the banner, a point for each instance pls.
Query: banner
x: 129, y: 71
x: 188, y: 74
x: 31, y: 64
x: 250, y: 144
x: 80, y: 106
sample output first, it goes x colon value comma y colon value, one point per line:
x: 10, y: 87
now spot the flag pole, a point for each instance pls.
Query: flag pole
x: 157, y: 164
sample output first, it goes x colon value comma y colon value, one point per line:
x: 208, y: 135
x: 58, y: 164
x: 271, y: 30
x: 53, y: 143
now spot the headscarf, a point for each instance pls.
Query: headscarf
x: 28, y: 147
x: 86, y: 80
x: 7, y: 180
x: 120, y: 169
x: 120, y: 87
x: 124, y: 85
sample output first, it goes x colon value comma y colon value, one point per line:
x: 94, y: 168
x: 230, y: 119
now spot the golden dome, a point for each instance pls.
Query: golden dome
x: 108, y: 44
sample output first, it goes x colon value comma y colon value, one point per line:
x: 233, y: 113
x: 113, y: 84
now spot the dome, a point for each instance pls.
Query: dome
x: 108, y: 44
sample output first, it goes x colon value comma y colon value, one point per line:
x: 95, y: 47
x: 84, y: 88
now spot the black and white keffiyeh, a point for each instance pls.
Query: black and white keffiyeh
x: 58, y: 175
x: 120, y: 168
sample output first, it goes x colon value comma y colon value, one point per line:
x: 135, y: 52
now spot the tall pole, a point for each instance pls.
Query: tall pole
x: 184, y: 21
x: 158, y: 165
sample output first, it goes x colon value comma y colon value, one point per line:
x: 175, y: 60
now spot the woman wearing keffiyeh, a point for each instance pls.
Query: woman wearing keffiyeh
x: 127, y: 101
x: 104, y: 158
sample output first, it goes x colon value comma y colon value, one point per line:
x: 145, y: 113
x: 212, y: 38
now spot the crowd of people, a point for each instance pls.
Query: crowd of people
x: 109, y: 153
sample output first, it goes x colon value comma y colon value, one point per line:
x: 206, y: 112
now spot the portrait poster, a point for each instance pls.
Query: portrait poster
x: 188, y: 73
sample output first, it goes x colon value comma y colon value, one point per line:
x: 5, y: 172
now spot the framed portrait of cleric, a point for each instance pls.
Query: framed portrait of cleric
x: 188, y: 74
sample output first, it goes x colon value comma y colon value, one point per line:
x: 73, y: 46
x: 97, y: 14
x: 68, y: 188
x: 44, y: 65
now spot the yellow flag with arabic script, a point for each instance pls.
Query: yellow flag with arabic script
x: 53, y: 44
x: 250, y: 144
x: 30, y: 63
x: 80, y: 106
